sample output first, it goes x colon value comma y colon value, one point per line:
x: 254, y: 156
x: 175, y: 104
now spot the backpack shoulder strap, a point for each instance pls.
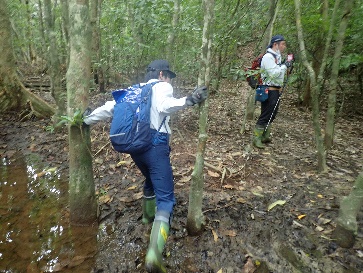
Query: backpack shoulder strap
x: 273, y: 54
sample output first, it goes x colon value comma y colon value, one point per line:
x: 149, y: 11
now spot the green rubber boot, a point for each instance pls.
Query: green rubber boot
x: 148, y: 209
x: 266, y: 136
x: 158, y: 236
x: 257, y: 139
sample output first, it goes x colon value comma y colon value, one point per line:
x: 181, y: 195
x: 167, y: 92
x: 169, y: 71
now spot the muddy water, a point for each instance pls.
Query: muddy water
x: 35, y: 235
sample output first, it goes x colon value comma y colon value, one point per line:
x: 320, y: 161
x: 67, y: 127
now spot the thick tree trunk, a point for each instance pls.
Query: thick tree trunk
x: 321, y: 153
x: 347, y: 226
x: 195, y: 218
x: 13, y: 95
x: 330, y: 116
x: 82, y: 199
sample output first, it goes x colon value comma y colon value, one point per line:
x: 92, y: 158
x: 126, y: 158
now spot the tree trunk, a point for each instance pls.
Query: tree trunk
x: 273, y: 11
x: 65, y: 25
x: 57, y: 92
x: 251, y: 102
x: 13, y: 95
x: 82, y: 199
x: 321, y: 153
x: 347, y: 226
x: 195, y: 218
x: 330, y: 116
x: 171, y: 37
x: 95, y: 14
x: 328, y: 39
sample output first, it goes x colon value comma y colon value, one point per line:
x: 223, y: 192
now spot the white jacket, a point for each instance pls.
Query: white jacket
x: 272, y: 73
x: 162, y: 104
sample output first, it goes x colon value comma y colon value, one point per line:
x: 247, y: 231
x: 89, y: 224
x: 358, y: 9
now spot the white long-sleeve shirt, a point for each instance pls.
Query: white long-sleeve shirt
x: 272, y: 72
x: 162, y: 105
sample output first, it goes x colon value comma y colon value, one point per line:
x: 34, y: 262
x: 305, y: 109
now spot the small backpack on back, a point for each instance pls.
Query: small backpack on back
x: 253, y: 74
x: 130, y: 130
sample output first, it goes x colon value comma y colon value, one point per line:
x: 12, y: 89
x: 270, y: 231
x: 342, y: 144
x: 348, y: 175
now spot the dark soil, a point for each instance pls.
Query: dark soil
x: 241, y: 182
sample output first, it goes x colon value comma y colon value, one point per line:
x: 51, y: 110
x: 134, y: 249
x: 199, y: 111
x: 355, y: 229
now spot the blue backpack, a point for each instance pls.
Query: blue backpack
x: 130, y: 130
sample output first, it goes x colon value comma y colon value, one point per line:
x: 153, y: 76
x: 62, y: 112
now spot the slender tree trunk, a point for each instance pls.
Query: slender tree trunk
x: 328, y: 39
x: 251, y: 103
x: 321, y: 153
x: 273, y: 11
x: 95, y: 8
x: 65, y: 25
x: 195, y: 218
x: 56, y: 89
x: 330, y: 117
x: 347, y: 226
x: 82, y: 199
x: 171, y: 37
x: 13, y: 95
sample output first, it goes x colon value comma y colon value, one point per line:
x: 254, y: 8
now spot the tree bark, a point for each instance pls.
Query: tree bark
x: 195, y: 217
x: 56, y: 89
x: 320, y: 80
x: 321, y: 153
x: 251, y: 102
x: 82, y: 199
x: 95, y: 14
x: 13, y: 95
x: 347, y: 226
x: 332, y: 98
x: 171, y: 37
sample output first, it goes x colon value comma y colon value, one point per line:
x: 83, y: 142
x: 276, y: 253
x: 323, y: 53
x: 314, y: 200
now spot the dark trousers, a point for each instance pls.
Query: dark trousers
x: 156, y: 167
x: 269, y: 108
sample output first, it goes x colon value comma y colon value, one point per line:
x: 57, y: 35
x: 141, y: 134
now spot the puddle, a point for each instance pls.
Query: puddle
x: 35, y: 235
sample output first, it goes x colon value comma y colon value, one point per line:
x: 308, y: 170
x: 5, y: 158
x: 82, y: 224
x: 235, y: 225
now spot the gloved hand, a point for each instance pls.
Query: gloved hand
x: 86, y: 113
x: 199, y: 94
x: 288, y: 63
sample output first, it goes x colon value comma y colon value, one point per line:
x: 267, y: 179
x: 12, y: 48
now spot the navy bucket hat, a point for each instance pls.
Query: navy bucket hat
x: 161, y: 65
x: 275, y: 39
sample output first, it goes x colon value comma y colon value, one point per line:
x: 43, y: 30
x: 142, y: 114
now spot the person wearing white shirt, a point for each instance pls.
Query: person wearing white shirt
x: 272, y: 74
x: 159, y: 199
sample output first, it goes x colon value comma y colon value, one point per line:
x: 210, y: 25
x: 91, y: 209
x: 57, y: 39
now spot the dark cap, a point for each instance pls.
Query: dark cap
x: 275, y: 39
x: 160, y: 65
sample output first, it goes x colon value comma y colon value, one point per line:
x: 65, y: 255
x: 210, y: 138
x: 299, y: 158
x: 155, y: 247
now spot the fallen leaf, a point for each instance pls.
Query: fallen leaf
x: 228, y: 187
x: 220, y: 271
x: 320, y: 196
x: 249, y: 266
x: 230, y: 233
x: 301, y: 216
x: 185, y: 179
x: 257, y: 194
x: 278, y: 202
x: 104, y: 199
x: 241, y: 200
x: 131, y: 188
x: 213, y: 174
x: 215, y: 235
x: 319, y: 228
x: 323, y: 221
x: 99, y: 160
x: 123, y: 162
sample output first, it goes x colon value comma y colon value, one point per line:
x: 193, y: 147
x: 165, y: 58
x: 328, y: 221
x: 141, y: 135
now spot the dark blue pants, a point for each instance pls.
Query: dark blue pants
x: 269, y: 108
x: 156, y: 167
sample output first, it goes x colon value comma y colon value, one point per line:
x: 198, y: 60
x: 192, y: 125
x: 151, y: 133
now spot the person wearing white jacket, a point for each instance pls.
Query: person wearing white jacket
x: 159, y: 199
x: 272, y: 74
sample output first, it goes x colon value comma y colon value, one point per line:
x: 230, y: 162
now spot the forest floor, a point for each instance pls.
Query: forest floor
x: 243, y: 234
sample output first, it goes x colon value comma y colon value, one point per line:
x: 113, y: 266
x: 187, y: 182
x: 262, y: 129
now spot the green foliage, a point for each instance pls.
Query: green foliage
x: 133, y: 33
x: 75, y: 120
